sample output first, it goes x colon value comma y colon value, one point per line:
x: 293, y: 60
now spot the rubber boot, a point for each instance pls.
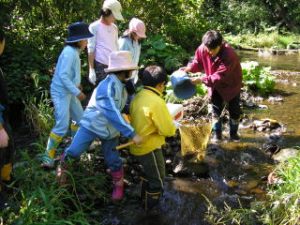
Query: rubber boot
x: 6, y: 172
x: 216, y: 130
x: 118, y: 185
x: 73, y: 129
x: 233, y: 127
x: 151, y: 200
x: 48, y: 158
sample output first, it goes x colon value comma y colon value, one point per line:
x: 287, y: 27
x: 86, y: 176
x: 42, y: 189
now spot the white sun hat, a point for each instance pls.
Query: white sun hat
x: 115, y: 7
x: 120, y: 61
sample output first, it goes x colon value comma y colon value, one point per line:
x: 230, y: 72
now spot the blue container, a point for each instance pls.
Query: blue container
x: 182, y: 85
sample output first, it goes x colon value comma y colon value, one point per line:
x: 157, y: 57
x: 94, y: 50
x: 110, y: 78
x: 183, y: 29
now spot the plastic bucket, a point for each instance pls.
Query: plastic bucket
x: 182, y: 85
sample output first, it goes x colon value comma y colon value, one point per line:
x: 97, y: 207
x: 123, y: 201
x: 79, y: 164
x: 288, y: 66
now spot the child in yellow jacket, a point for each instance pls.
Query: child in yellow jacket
x: 151, y: 119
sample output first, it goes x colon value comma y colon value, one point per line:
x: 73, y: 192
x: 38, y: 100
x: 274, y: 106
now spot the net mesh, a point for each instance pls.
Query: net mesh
x: 194, y: 137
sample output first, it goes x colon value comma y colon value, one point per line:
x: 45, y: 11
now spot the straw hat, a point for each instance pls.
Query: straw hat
x: 115, y: 7
x: 137, y: 26
x: 78, y: 31
x: 120, y: 61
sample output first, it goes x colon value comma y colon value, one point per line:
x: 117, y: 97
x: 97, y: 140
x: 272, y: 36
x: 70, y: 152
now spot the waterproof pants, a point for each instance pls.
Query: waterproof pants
x: 66, y: 107
x: 154, y: 170
x: 218, y: 106
x: 82, y: 141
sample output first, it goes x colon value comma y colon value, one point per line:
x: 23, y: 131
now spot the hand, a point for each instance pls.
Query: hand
x: 81, y: 96
x: 196, y: 80
x: 186, y: 69
x: 137, y: 139
x: 3, y: 138
x: 92, y: 76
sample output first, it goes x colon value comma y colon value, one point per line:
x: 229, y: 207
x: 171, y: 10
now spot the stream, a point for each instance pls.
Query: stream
x: 234, y: 173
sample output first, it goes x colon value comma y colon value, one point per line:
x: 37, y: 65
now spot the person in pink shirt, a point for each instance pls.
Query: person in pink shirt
x: 223, y: 77
x: 104, y: 41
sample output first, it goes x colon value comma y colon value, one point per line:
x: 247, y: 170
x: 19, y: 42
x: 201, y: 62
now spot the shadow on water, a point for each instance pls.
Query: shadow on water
x: 236, y: 172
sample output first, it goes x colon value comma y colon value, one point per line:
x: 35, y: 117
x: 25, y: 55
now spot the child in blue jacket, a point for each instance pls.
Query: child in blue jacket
x: 102, y: 119
x: 65, y: 89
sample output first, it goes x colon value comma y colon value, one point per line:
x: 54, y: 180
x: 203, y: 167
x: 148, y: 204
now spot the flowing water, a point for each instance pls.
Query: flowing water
x: 235, y: 172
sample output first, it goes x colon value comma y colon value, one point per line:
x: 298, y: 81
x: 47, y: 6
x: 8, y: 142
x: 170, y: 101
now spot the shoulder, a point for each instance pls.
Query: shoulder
x: 94, y: 25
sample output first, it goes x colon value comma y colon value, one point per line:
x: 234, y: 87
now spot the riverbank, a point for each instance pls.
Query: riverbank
x: 274, y: 41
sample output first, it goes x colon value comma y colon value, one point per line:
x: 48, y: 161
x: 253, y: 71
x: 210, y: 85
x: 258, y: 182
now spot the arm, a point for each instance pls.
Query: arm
x: 112, y: 113
x: 196, y: 65
x: 3, y: 134
x: 163, y: 121
x: 65, y: 74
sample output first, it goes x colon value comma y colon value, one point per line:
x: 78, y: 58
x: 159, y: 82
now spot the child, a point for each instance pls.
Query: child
x: 105, y: 39
x: 6, y: 143
x: 151, y: 119
x: 130, y: 41
x: 102, y: 119
x: 65, y: 89
x: 223, y: 77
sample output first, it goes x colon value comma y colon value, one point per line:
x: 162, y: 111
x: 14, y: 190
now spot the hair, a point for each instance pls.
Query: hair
x: 212, y: 39
x: 73, y: 44
x: 153, y: 75
x: 2, y: 35
x: 105, y: 12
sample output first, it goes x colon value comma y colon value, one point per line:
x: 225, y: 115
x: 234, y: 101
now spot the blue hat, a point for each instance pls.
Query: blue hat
x: 182, y: 85
x: 78, y: 31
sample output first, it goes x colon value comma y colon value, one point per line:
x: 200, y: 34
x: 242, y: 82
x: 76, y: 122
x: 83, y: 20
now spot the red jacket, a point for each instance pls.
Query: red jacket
x: 223, y: 73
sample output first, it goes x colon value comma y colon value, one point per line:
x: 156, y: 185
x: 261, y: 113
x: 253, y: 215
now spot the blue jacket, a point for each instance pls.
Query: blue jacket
x: 127, y: 44
x: 67, y: 77
x: 103, y: 113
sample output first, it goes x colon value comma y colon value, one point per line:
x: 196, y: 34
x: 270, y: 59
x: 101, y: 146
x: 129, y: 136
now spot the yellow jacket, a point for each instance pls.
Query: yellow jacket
x: 151, y: 119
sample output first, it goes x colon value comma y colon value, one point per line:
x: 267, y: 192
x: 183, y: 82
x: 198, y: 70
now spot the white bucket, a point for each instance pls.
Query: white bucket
x: 176, y: 111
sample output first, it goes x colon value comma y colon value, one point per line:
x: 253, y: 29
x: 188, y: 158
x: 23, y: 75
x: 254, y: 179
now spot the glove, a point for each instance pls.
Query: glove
x: 92, y: 76
x: 3, y: 138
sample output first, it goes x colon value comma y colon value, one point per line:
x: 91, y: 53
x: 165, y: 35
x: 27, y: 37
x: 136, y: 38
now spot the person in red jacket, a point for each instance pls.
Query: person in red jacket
x: 223, y: 77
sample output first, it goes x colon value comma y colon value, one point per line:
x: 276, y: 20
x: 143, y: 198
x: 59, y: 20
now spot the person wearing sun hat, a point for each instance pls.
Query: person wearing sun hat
x: 102, y: 119
x: 130, y: 41
x: 105, y: 39
x: 65, y: 89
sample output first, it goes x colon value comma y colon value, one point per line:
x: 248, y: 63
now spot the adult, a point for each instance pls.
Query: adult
x: 223, y: 77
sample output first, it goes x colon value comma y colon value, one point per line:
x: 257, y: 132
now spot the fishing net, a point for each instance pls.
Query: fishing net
x: 194, y: 137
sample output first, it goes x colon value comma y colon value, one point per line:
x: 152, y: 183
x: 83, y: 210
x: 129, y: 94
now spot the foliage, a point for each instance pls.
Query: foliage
x: 263, y: 40
x: 156, y: 50
x: 258, y: 78
x: 37, y: 198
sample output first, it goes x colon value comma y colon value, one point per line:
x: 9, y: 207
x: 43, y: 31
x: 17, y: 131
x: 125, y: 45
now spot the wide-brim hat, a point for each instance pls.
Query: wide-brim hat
x: 115, y: 7
x: 182, y: 86
x: 120, y: 61
x: 78, y: 31
x: 137, y: 26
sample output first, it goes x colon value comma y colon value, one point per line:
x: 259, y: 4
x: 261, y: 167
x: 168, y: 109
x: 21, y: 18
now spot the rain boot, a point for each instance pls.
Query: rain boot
x: 151, y: 200
x: 48, y: 158
x: 73, y: 129
x: 233, y: 127
x: 216, y: 130
x: 118, y: 185
x: 6, y: 172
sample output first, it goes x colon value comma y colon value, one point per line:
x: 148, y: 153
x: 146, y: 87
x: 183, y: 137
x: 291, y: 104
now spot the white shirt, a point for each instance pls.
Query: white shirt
x: 104, y: 42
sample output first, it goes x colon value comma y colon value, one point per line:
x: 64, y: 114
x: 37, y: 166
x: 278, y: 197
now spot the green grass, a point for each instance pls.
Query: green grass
x: 38, y: 199
x: 263, y: 40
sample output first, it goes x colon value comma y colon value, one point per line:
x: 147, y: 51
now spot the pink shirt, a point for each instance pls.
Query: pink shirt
x: 223, y: 73
x: 104, y: 42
